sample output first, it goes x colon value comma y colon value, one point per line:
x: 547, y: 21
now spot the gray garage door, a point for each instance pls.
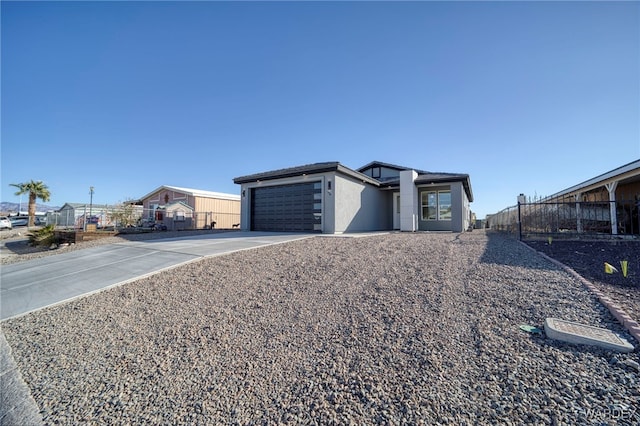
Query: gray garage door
x: 295, y: 207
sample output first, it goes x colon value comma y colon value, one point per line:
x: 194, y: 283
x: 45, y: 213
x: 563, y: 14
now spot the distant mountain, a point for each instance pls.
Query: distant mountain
x: 13, y: 207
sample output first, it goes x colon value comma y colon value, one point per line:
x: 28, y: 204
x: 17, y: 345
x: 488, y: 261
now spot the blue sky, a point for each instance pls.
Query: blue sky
x: 525, y: 97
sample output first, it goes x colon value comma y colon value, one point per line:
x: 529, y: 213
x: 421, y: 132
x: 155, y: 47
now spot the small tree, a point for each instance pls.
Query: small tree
x: 125, y: 214
x: 35, y: 189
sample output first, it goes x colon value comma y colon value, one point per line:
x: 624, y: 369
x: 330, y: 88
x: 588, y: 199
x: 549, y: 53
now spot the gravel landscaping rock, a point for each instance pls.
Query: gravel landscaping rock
x: 587, y: 258
x: 403, y: 328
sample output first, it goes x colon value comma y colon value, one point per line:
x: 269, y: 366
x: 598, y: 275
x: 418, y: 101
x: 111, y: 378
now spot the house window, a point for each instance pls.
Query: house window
x: 436, y: 205
x: 375, y: 172
x: 444, y: 205
x: 178, y: 216
x: 429, y: 202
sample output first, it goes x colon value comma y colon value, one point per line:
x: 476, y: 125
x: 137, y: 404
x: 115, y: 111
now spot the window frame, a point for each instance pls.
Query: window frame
x: 434, y: 206
x: 447, y: 211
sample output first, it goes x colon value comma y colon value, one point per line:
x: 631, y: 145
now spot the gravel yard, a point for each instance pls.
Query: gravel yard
x: 390, y: 329
x: 587, y: 258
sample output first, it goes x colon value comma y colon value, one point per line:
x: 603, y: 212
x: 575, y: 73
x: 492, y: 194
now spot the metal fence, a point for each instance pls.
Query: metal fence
x: 115, y: 217
x: 187, y: 219
x: 569, y: 219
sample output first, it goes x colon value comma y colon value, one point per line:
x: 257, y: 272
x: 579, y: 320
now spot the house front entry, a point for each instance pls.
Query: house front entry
x: 396, y: 210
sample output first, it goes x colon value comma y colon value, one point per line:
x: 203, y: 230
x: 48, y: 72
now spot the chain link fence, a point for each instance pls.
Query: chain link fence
x: 176, y: 220
x: 130, y: 216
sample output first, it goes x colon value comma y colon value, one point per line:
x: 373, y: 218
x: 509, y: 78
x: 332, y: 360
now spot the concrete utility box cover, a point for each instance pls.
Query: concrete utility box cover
x: 572, y: 332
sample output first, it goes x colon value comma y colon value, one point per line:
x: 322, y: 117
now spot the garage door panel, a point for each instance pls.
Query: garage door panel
x: 295, y: 207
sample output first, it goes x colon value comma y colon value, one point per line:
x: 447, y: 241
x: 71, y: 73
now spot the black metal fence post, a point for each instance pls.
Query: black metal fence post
x: 519, y: 222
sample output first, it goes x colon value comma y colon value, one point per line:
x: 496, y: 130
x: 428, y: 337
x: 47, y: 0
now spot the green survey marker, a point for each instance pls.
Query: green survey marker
x: 531, y: 329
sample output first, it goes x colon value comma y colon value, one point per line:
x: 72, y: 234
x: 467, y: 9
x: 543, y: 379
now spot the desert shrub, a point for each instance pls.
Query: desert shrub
x: 42, y: 237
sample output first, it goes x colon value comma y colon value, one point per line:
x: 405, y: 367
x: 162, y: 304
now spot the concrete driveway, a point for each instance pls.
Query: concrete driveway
x: 33, y: 285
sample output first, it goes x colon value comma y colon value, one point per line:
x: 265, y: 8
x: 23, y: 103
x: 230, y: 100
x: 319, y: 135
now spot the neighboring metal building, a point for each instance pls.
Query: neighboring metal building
x: 187, y: 208
x: 331, y: 198
x: 620, y: 188
x: 606, y: 204
x: 622, y: 183
x: 73, y: 214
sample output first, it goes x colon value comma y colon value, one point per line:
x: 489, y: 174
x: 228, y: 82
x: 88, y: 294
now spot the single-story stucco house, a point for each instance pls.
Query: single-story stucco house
x: 332, y: 198
x: 187, y: 208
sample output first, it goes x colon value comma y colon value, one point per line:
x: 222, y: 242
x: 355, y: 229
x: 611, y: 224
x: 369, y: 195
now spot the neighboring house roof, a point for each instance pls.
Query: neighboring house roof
x: 81, y: 205
x: 331, y: 166
x: 73, y: 206
x: 629, y: 172
x: 194, y: 192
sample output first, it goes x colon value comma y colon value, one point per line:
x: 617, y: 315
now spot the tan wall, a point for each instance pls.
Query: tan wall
x: 225, y: 213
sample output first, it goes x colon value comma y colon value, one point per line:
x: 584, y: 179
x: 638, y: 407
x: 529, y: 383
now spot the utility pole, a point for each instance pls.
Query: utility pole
x: 91, y: 202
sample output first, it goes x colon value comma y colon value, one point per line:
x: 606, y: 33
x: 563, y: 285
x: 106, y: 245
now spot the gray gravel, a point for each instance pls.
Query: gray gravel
x: 393, y: 329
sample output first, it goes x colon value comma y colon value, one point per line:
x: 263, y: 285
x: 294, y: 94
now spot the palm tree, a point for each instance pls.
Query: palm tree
x: 35, y: 189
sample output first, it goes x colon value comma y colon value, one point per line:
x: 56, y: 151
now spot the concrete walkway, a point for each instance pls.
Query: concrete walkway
x: 33, y: 285
x: 36, y: 284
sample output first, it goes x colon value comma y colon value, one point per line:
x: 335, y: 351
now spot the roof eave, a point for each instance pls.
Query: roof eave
x: 589, y: 184
x: 193, y: 192
x: 288, y: 172
x: 389, y: 166
x: 304, y: 170
x: 464, y: 179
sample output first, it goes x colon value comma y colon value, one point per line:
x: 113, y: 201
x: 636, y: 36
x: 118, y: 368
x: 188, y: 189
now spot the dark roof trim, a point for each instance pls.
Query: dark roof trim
x: 435, y: 178
x: 315, y: 168
x: 447, y: 177
x: 388, y: 166
x: 441, y: 177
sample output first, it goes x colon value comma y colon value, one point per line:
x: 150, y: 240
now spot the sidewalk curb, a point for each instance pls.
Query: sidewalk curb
x: 17, y: 407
